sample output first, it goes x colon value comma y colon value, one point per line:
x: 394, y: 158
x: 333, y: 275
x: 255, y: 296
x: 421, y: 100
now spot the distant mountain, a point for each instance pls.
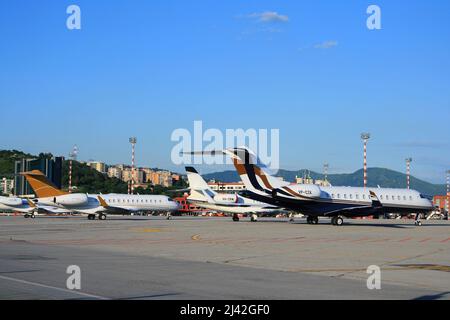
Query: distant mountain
x: 377, y: 177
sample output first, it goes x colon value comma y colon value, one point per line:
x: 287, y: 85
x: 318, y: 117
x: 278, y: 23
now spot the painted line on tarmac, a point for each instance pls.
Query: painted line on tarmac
x: 83, y: 294
x: 147, y: 230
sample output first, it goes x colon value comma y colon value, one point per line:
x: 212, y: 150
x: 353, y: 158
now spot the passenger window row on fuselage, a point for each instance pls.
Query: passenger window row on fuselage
x: 367, y: 197
x: 132, y: 201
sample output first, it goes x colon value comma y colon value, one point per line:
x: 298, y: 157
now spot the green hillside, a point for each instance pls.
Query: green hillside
x: 7, y: 159
x: 86, y: 179
x: 376, y: 177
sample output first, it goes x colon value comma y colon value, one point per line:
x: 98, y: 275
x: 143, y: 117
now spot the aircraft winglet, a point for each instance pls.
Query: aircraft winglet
x: 375, y: 201
x: 102, y: 202
x: 31, y: 203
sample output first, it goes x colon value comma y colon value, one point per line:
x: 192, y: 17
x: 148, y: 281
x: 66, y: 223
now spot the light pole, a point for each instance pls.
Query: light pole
x: 133, y: 142
x: 326, y: 166
x: 365, y: 137
x: 408, y: 172
x: 72, y: 156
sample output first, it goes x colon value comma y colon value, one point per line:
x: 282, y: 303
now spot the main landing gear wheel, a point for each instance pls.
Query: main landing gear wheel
x: 235, y: 217
x: 91, y: 216
x: 337, y: 221
x: 254, y: 218
x: 312, y: 220
x: 102, y: 216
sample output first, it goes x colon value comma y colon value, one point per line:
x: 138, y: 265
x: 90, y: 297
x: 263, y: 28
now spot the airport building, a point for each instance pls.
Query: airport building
x: 189, y: 208
x: 222, y: 187
x: 52, y: 168
x: 7, y: 186
x: 309, y: 180
x: 441, y: 202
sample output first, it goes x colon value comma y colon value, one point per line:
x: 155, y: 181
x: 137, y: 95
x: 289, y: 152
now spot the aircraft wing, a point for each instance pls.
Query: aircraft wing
x: 45, y: 208
x: 53, y: 210
x: 115, y: 210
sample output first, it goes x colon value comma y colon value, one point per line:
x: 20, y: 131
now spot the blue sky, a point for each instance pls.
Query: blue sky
x: 144, y: 68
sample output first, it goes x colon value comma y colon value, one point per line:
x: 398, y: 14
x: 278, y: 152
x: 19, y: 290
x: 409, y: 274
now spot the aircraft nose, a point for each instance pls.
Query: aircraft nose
x: 176, y: 206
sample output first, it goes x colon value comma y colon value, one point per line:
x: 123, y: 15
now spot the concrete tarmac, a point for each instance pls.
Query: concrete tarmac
x: 215, y: 258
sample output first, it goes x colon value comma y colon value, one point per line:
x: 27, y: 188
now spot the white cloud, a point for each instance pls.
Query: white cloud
x: 269, y: 16
x: 326, y: 44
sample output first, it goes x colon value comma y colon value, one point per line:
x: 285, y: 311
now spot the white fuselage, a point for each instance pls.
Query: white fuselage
x: 90, y: 203
x: 14, y: 204
x: 231, y: 203
x: 389, y: 197
x: 315, y: 199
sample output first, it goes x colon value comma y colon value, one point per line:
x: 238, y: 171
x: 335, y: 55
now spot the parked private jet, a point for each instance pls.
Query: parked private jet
x: 27, y: 207
x: 15, y: 204
x: 314, y: 201
x: 95, y: 205
x: 203, y: 196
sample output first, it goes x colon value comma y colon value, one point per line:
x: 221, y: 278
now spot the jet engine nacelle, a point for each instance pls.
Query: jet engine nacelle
x: 72, y: 200
x: 226, y: 198
x: 10, y: 201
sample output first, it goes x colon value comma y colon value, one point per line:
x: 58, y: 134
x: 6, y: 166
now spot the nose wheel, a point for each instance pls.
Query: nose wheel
x: 417, y: 222
x: 235, y: 217
x: 291, y: 217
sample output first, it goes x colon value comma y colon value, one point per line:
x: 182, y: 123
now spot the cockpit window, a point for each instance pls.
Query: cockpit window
x: 423, y: 196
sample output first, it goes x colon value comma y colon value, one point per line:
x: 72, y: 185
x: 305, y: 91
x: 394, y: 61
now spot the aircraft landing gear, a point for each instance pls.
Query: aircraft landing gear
x: 417, y: 222
x: 102, y: 216
x: 91, y: 216
x: 254, y: 218
x: 337, y: 221
x: 312, y: 220
x: 235, y: 217
x: 291, y: 217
